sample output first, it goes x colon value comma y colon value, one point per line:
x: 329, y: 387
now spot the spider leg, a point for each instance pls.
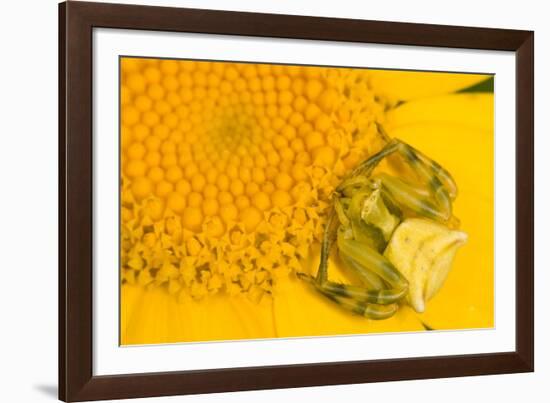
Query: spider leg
x: 367, y: 277
x: 433, y: 198
x: 435, y: 206
x: 372, y: 303
x: 430, y: 167
x: 365, y: 168
x: 371, y: 260
x: 353, y: 292
x: 326, y: 244
x: 363, y: 308
x: 371, y: 311
x: 357, y: 306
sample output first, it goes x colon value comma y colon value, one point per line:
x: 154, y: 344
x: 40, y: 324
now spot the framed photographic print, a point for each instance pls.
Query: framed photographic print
x: 253, y: 201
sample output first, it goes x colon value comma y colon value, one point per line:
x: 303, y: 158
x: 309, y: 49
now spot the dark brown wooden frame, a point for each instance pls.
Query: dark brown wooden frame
x: 76, y: 22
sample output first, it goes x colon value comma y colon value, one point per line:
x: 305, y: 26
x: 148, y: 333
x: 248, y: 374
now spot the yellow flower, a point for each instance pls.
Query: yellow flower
x: 227, y: 174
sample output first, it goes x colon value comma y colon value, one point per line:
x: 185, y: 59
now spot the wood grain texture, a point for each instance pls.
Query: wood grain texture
x: 76, y: 23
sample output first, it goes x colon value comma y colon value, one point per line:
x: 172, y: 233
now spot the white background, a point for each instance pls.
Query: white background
x: 28, y: 200
x: 110, y: 359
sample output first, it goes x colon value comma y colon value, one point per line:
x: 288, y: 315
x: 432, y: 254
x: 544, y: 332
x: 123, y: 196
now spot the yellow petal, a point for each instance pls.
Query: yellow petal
x: 149, y: 319
x: 408, y: 85
x: 472, y: 111
x: 466, y: 298
x: 130, y: 296
x: 158, y: 317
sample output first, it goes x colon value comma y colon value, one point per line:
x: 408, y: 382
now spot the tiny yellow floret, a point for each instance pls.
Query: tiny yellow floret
x: 192, y: 218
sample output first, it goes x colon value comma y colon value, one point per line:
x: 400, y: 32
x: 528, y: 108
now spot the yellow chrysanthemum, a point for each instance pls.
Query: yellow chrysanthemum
x: 227, y: 173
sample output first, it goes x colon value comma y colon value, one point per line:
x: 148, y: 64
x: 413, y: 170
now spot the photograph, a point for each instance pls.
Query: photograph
x: 265, y: 200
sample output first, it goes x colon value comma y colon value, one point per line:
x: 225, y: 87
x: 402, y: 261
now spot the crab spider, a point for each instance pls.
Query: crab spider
x: 367, y: 209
